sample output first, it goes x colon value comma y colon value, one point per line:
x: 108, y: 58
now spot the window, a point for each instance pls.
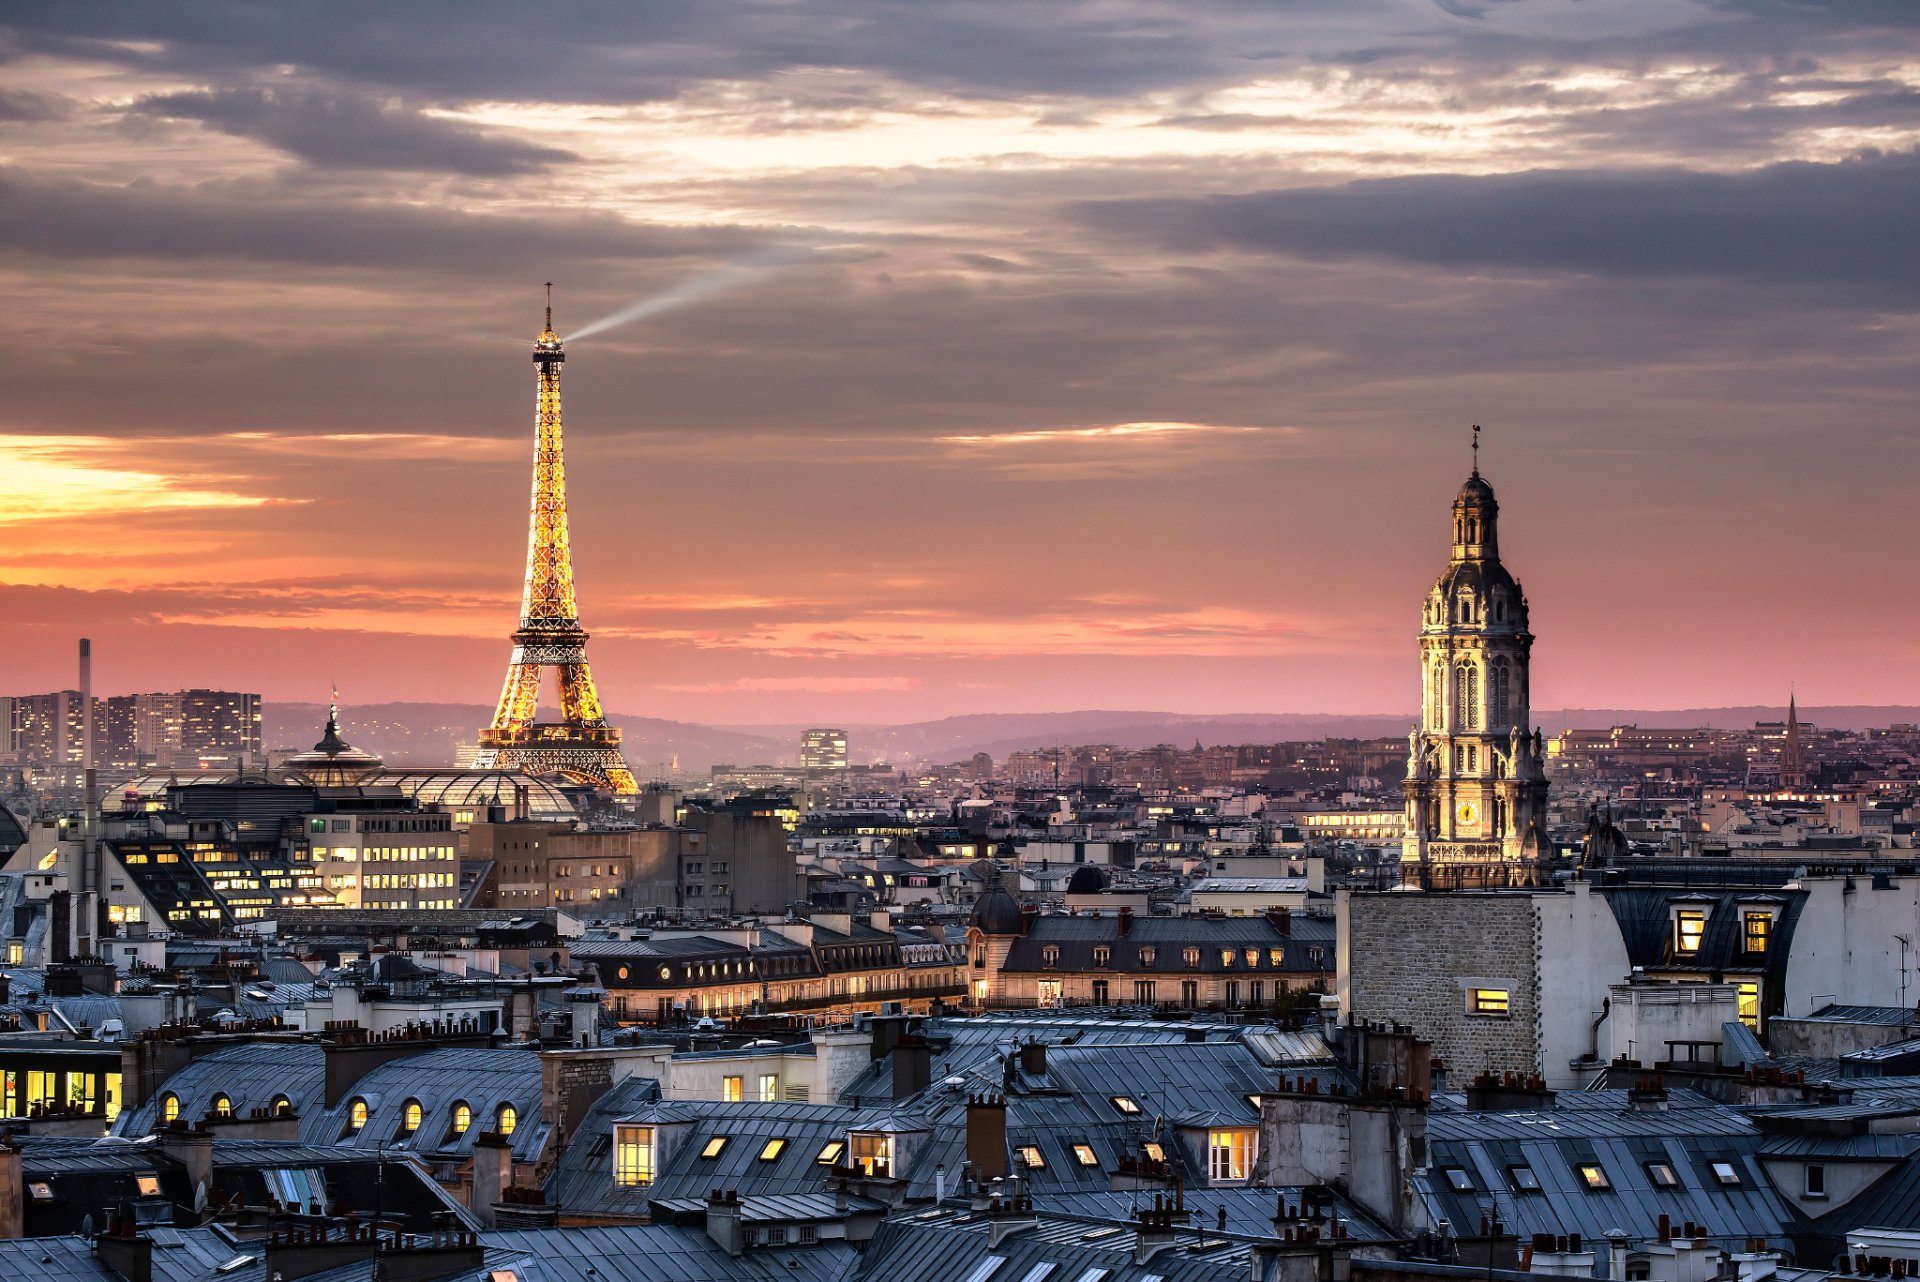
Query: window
x: 1487, y: 1001
x: 831, y: 1153
x: 1050, y: 955
x: 809, y: 1234
x: 1229, y: 1156
x: 410, y: 1115
x: 1502, y: 690
x: 356, y: 1115
x: 1102, y: 955
x: 1661, y: 1173
x: 1084, y: 1154
x: 1749, y: 1007
x: 1191, y: 956
x: 462, y: 1118
x: 715, y: 1146
x: 147, y: 1185
x: 1099, y: 992
x: 873, y: 1154
x: 1276, y: 956
x: 1253, y: 957
x: 282, y: 1106
x: 1143, y: 991
x: 1756, y: 929
x: 169, y: 1107
x: 771, y: 1150
x: 1031, y: 1157
x: 1594, y: 1176
x: 222, y: 1105
x: 1689, y: 928
x: 1816, y: 1181
x: 769, y: 1088
x: 731, y: 1089
x: 1155, y: 1151
x: 509, y: 1118
x: 1727, y: 1175
x: 1523, y: 1179
x: 1457, y: 1179
x: 1126, y: 1104
x: 1147, y: 954
x: 632, y: 1156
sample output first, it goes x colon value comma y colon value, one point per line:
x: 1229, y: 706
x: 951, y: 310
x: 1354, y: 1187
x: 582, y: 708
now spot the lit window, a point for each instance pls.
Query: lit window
x: 1689, y: 928
x: 1749, y: 1008
x: 1229, y: 1155
x: 222, y: 1106
x: 462, y: 1118
x: 732, y: 1089
x: 873, y: 1154
x: 509, y: 1118
x: 147, y: 1185
x: 1191, y: 956
x: 410, y: 1115
x: 282, y: 1106
x: 1084, y: 1154
x: 1457, y: 1179
x: 714, y: 1146
x: 769, y: 1088
x: 1661, y: 1173
x: 632, y: 1155
x: 1032, y: 1158
x: 1487, y: 1001
x: 771, y: 1150
x: 1757, y: 928
x: 1726, y: 1174
x: 1523, y: 1178
x: 1226, y: 957
x: 830, y: 1155
x: 1594, y: 1176
x: 1253, y: 957
x: 1276, y: 956
x: 169, y: 1107
x: 1126, y: 1104
x: 1147, y: 955
x: 1155, y: 1151
x: 356, y: 1114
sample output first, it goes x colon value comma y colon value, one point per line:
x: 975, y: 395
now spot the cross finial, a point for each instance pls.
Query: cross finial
x: 1476, y: 449
x: 550, y: 312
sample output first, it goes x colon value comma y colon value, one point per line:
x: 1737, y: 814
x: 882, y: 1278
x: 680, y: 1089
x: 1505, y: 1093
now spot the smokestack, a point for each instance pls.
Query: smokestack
x: 90, y: 814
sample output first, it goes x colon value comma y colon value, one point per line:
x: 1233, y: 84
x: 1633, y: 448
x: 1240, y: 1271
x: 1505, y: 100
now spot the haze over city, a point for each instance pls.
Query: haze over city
x: 1001, y: 359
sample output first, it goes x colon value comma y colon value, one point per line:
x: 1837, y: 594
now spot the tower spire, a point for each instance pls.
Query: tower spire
x: 1476, y: 449
x: 580, y: 745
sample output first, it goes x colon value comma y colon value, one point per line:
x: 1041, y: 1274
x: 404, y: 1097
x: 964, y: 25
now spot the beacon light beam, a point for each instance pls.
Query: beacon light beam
x: 706, y: 285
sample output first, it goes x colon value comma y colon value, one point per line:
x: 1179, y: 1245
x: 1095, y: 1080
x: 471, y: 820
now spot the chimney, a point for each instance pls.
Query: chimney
x: 1617, y: 1255
x: 1648, y: 1094
x: 887, y: 1031
x: 1126, y: 921
x: 1508, y: 1092
x: 1153, y: 1228
x: 1033, y: 1057
x: 1010, y: 1215
x: 912, y: 1066
x: 191, y: 1145
x: 12, y: 1209
x: 987, y: 1137
x: 723, y: 1221
x: 585, y: 1008
x: 1281, y: 919
x: 123, y: 1249
x: 492, y: 1175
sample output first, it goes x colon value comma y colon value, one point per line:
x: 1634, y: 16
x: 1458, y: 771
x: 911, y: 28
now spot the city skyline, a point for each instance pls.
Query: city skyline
x: 1130, y: 371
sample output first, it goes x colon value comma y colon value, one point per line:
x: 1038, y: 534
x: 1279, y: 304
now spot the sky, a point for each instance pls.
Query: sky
x: 979, y: 356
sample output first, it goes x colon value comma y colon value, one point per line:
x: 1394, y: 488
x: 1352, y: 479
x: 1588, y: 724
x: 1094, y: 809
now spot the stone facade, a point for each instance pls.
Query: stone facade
x: 1418, y: 959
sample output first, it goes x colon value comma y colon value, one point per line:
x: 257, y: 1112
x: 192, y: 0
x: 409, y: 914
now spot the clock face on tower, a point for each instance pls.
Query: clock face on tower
x: 1466, y: 814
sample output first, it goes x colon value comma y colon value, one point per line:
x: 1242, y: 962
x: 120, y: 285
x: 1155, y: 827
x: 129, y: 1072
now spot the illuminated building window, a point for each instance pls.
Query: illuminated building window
x: 509, y: 1118
x: 1155, y: 1151
x: 1749, y: 1008
x: 769, y: 1088
x: 356, y: 1115
x: 1689, y: 929
x: 462, y: 1118
x: 222, y: 1105
x: 1229, y: 1155
x: 873, y: 1154
x: 1487, y: 1001
x: 632, y: 1156
x: 1126, y: 1104
x: 1031, y: 1157
x: 1594, y: 1176
x: 410, y: 1115
x: 715, y: 1146
x: 282, y: 1106
x: 830, y: 1153
x: 731, y: 1089
x: 1084, y: 1155
x: 169, y: 1107
x: 1756, y: 930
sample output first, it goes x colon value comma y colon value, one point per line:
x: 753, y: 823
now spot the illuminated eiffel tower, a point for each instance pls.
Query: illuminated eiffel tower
x: 580, y: 745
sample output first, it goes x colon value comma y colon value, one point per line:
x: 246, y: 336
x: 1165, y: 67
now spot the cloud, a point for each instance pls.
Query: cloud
x: 340, y: 130
x: 813, y: 685
x: 65, y: 478
x: 19, y: 106
x: 1842, y: 225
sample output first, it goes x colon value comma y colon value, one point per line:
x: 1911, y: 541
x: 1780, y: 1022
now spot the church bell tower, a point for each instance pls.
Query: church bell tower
x: 1476, y: 773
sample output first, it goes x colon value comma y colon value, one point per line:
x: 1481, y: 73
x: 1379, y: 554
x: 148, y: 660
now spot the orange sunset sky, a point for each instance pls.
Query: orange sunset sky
x: 1006, y: 357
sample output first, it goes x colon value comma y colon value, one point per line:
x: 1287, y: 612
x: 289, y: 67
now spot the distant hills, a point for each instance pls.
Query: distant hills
x: 424, y: 734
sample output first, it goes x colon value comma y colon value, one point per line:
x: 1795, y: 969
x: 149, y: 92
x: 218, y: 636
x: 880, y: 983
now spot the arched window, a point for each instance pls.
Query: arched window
x: 410, y: 1115
x: 1468, y: 693
x: 462, y: 1117
x: 1439, y: 718
x: 282, y: 1106
x: 356, y: 1115
x: 1502, y: 694
x: 222, y: 1105
x: 509, y: 1118
x: 169, y: 1107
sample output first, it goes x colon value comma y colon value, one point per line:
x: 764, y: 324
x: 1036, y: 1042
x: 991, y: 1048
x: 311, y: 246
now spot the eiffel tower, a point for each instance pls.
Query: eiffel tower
x: 580, y: 745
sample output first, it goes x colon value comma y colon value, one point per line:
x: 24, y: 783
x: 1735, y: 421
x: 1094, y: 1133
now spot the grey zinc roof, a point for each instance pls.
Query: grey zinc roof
x: 950, y: 1248
x: 483, y: 1078
x: 1249, y: 1210
x: 658, y: 1253
x: 179, y: 1255
x: 250, y: 1073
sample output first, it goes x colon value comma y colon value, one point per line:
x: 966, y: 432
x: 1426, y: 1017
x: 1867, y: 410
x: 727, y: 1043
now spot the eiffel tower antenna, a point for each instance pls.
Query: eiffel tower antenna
x: 580, y: 745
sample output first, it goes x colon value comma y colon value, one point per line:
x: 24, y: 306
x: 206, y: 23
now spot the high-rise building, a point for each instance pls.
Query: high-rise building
x: 50, y: 729
x: 220, y: 725
x: 823, y: 749
x: 580, y: 744
x: 181, y: 729
x: 1476, y: 781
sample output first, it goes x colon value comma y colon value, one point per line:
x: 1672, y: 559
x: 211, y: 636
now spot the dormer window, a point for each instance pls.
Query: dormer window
x: 1756, y: 930
x: 1689, y: 930
x: 357, y: 1114
x: 410, y: 1116
x: 222, y: 1105
x: 633, y: 1156
x: 1147, y: 955
x: 1192, y: 957
x: 872, y: 1153
x: 1050, y: 955
x: 1102, y: 955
